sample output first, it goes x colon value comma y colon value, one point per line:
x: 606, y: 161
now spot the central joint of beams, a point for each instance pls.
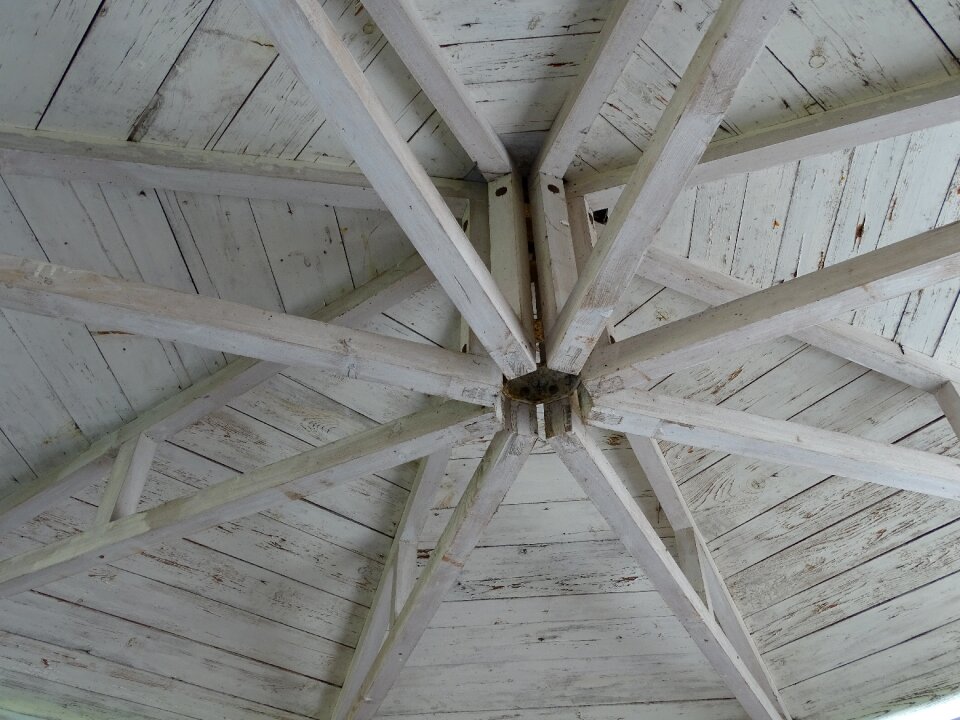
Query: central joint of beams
x: 543, y: 385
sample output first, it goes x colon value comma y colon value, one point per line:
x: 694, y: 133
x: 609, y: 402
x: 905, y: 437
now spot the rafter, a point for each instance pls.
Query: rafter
x: 853, y: 343
x: 948, y: 396
x: 129, y: 164
x: 729, y: 49
x: 201, y: 398
x: 688, y: 422
x: 553, y: 246
x: 606, y: 489
x: 878, y: 118
x: 322, y: 468
x: 501, y: 463
x: 127, y: 479
x: 311, y: 45
x: 894, y: 270
x: 46, y: 289
x: 621, y: 34
x: 720, y: 602
x: 400, y: 22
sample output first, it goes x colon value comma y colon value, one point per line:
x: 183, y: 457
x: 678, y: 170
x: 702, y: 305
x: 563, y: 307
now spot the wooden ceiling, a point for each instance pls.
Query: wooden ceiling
x: 850, y: 590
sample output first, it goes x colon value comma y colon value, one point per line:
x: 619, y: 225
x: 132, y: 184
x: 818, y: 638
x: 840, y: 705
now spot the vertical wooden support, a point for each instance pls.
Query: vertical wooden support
x: 552, y: 242
x: 509, y: 254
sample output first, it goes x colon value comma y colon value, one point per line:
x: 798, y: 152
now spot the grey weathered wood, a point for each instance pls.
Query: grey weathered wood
x: 871, y: 120
x: 891, y: 271
x: 622, y: 30
x: 127, y: 478
x: 556, y: 260
x: 400, y: 22
x: 604, y: 486
x: 501, y: 463
x: 310, y: 43
x: 313, y: 471
x: 47, y: 289
x: 727, y: 52
x: 509, y: 255
x: 688, y: 422
x: 948, y: 395
x: 128, y: 164
x: 203, y: 397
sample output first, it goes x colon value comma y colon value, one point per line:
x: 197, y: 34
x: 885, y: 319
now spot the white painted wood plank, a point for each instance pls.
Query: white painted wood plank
x: 553, y: 244
x: 885, y: 273
x: 309, y: 41
x: 622, y: 30
x: 732, y: 43
x: 948, y: 396
x: 509, y: 254
x: 146, y: 310
x: 702, y: 425
x: 400, y: 22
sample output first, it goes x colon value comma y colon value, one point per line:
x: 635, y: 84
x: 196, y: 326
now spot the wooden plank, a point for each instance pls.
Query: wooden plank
x: 584, y: 458
x: 402, y: 25
x: 310, y: 472
x: 57, y: 291
x: 201, y: 398
x: 724, y: 57
x: 127, y: 479
x: 720, y: 601
x: 79, y: 157
x: 509, y: 254
x: 879, y: 118
x: 622, y: 30
x: 948, y: 396
x: 699, y: 424
x: 501, y: 463
x: 396, y: 580
x: 310, y: 43
x: 553, y: 245
x: 897, y: 269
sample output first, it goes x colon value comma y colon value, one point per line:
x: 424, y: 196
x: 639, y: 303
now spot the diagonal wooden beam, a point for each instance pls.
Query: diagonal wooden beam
x: 732, y: 43
x: 127, y: 479
x: 853, y: 343
x: 46, y: 289
x: 891, y: 271
x: 608, y: 59
x: 310, y: 43
x: 688, y: 422
x: 396, y: 581
x: 201, y: 398
x: 501, y: 463
x: 878, y: 118
x: 721, y: 603
x: 948, y: 396
x: 600, y: 481
x: 322, y: 468
x: 402, y: 25
x: 64, y: 156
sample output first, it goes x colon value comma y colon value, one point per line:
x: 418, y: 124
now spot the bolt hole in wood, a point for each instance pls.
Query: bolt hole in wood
x: 500, y: 192
x: 543, y: 385
x: 553, y: 188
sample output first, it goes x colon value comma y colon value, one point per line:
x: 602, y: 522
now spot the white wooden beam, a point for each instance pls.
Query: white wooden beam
x: 688, y: 422
x: 395, y: 581
x: 56, y: 291
x: 872, y: 120
x: 507, y: 453
x: 553, y: 245
x: 619, y: 508
x: 948, y: 396
x: 732, y: 43
x: 127, y: 479
x: 853, y: 343
x: 621, y: 34
x: 401, y: 23
x: 509, y: 254
x: 918, y: 262
x: 70, y: 157
x: 310, y: 43
x: 322, y: 468
x: 721, y: 603
x: 201, y: 398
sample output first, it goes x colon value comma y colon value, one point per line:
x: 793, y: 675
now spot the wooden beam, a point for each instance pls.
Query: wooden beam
x: 613, y: 499
x: 201, y: 398
x: 553, y: 245
x: 948, y: 396
x: 509, y: 254
x: 507, y: 453
x: 310, y: 43
x: 621, y: 34
x: 402, y: 25
x: 322, y: 468
x: 56, y: 291
x: 69, y: 157
x: 640, y: 412
x: 732, y: 43
x: 853, y: 343
x: 872, y: 120
x: 127, y: 479
x: 395, y: 581
x: 894, y: 270
x: 721, y: 603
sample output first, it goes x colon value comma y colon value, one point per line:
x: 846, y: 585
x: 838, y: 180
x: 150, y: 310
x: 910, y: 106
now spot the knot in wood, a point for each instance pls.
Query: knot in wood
x: 543, y: 385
